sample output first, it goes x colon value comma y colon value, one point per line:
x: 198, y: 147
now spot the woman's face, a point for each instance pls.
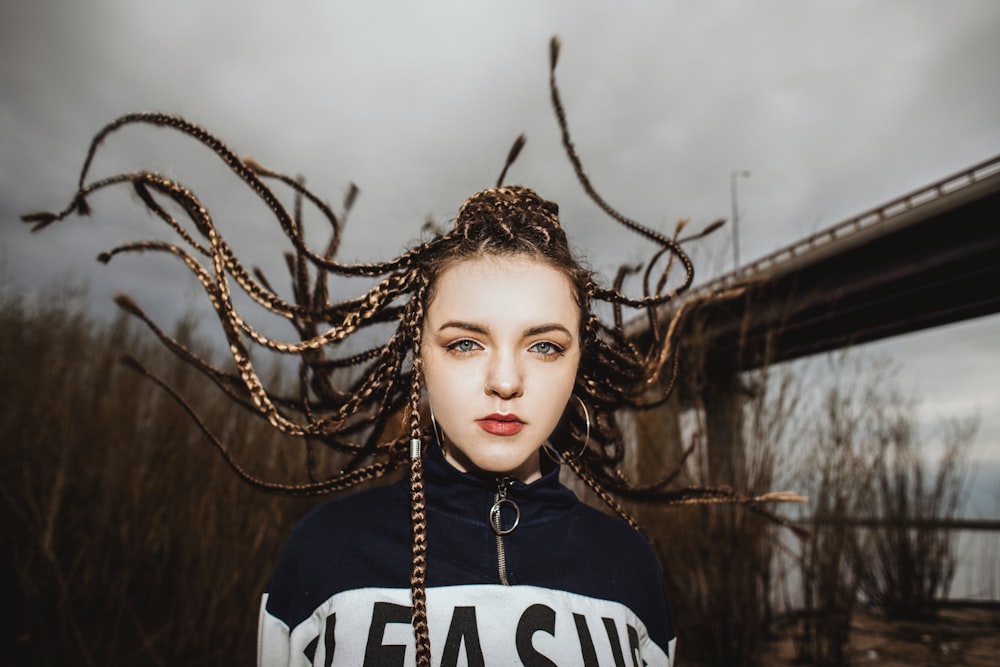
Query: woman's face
x: 500, y: 353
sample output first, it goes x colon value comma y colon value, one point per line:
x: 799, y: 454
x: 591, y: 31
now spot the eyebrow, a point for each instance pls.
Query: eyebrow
x: 546, y: 328
x: 480, y: 329
x: 466, y: 326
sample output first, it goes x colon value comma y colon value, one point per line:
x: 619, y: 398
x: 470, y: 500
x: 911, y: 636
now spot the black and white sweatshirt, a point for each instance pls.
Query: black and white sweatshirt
x: 568, y: 586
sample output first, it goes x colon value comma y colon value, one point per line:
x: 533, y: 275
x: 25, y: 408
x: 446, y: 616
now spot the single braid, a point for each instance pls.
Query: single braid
x: 332, y: 485
x: 576, y: 466
x: 418, y: 576
x: 418, y: 502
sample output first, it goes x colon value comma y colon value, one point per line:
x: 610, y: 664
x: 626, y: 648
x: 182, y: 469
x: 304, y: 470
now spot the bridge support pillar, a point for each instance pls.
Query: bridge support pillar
x: 723, y: 398
x: 659, y: 442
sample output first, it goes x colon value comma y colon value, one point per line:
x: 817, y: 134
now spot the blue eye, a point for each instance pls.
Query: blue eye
x: 464, y: 346
x: 546, y: 349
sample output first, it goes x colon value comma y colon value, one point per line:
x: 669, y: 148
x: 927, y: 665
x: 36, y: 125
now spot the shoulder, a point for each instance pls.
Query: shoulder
x: 616, y: 562
x: 354, y: 513
x: 612, y: 536
x: 344, y: 534
x: 358, y: 540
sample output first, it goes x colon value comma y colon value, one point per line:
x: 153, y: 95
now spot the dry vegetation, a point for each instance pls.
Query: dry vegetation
x: 128, y: 541
x: 747, y: 592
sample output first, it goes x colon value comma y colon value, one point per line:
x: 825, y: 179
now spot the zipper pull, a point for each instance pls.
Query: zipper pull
x: 503, y: 483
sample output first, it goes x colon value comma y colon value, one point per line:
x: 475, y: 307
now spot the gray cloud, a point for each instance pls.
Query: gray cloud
x: 834, y: 107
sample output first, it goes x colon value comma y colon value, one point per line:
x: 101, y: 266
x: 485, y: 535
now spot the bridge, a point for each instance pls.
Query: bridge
x: 927, y: 258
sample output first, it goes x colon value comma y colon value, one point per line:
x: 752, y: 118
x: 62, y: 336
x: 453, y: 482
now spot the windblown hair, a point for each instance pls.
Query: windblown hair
x: 361, y: 418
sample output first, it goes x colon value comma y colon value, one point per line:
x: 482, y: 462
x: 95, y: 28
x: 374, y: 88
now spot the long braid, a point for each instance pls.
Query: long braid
x: 339, y: 483
x: 418, y: 504
x: 596, y: 487
x: 418, y: 576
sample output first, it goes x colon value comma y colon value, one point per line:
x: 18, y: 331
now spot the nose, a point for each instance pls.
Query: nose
x: 504, y: 378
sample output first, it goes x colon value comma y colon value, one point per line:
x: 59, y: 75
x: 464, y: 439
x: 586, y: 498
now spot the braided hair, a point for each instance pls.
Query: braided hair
x: 360, y: 418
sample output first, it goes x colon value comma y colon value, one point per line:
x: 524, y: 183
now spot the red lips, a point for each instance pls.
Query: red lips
x: 497, y: 424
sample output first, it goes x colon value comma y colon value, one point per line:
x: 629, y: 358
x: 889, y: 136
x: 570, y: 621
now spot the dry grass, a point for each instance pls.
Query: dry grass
x: 907, y: 569
x: 127, y: 540
x: 853, y: 448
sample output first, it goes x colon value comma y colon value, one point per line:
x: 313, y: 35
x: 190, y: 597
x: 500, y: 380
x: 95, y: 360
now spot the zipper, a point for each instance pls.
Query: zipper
x: 499, y: 501
x: 502, y: 561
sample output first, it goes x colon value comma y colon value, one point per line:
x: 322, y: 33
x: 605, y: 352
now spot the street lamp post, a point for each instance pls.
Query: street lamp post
x: 733, y: 175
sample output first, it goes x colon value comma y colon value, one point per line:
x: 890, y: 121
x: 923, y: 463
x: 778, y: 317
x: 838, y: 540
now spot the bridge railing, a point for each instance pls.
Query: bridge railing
x: 855, y: 224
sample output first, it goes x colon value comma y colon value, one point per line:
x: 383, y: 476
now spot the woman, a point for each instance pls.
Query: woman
x: 513, y: 567
x: 482, y: 551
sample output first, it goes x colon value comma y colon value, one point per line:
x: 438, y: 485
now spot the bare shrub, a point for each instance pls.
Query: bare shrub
x: 911, y: 558
x: 837, y: 476
x: 875, y: 510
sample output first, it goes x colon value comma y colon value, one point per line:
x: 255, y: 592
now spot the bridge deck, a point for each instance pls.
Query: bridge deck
x: 928, y: 258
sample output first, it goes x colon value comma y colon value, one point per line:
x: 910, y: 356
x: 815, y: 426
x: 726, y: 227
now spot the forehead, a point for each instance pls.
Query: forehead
x: 516, y: 289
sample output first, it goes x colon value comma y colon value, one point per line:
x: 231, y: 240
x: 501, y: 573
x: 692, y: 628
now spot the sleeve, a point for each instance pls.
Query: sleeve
x: 664, y: 612
x: 273, y: 643
x: 654, y: 604
x: 279, y: 609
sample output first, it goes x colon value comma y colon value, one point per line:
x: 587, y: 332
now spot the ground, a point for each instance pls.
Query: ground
x: 960, y: 636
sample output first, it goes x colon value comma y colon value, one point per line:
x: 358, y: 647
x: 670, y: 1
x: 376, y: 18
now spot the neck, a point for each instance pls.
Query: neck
x: 526, y: 473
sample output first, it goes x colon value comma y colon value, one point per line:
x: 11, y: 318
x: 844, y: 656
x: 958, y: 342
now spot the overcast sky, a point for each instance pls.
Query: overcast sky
x: 834, y: 107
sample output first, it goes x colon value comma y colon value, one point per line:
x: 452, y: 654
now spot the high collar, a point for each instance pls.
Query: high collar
x: 468, y: 496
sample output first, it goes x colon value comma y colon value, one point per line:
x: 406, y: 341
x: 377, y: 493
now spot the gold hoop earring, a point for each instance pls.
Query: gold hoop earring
x: 555, y: 454
x: 438, y: 435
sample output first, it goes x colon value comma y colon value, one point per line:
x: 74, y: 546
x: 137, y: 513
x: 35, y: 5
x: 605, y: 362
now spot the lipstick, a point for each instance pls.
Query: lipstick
x: 497, y: 424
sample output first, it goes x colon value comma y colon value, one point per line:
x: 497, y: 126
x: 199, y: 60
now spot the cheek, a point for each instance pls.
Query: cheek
x: 441, y: 383
x: 555, y: 392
